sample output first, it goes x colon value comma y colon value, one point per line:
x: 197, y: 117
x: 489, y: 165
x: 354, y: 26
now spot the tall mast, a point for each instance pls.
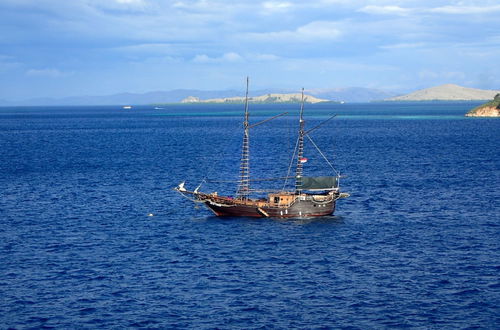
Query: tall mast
x: 300, y: 154
x: 244, y: 184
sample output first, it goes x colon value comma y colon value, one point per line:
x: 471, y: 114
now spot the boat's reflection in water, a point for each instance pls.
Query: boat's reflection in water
x: 329, y: 219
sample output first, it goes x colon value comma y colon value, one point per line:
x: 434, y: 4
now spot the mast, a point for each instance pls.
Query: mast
x: 244, y: 183
x: 300, y: 153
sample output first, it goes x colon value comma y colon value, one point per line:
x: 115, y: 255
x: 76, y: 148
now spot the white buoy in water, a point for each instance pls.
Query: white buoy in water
x: 150, y: 214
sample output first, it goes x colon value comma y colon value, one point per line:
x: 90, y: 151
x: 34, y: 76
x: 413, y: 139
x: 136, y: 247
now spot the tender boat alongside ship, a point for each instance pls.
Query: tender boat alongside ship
x: 310, y: 196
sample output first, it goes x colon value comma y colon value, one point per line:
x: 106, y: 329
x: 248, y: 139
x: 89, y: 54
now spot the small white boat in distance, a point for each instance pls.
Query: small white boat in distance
x: 127, y: 107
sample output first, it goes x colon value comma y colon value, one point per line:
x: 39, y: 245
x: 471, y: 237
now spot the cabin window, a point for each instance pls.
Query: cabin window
x: 276, y: 199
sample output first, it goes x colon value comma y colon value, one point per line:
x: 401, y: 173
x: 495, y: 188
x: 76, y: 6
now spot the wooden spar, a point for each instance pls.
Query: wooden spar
x: 244, y: 185
x: 319, y: 125
x: 244, y: 182
x: 300, y: 153
x: 268, y: 119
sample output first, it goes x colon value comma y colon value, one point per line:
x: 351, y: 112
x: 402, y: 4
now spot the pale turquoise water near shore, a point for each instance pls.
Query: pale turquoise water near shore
x: 377, y: 110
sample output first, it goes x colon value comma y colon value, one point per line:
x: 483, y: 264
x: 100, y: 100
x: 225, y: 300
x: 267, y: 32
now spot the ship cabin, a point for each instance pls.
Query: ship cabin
x: 281, y: 199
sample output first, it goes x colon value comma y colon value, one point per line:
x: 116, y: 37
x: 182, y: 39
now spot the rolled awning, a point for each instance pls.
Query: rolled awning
x: 319, y: 182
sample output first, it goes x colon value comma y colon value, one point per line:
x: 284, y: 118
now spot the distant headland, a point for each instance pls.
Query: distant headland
x: 447, y: 92
x: 489, y: 109
x: 268, y: 98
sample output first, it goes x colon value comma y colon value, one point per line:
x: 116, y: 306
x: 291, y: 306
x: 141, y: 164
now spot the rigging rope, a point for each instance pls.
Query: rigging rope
x: 291, y: 162
x: 267, y: 179
x: 215, y: 165
x: 326, y: 159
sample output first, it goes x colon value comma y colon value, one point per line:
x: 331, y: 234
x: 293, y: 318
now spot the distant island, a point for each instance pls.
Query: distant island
x: 268, y: 98
x: 345, y: 94
x: 448, y: 92
x: 489, y: 109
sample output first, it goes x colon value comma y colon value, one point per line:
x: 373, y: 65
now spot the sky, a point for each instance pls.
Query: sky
x: 59, y: 48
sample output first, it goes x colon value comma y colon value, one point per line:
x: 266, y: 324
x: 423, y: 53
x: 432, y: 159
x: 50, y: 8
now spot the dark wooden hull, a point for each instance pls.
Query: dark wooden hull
x: 300, y: 209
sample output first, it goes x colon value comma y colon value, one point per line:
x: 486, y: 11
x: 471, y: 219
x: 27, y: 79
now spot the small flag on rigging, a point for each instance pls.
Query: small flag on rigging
x: 303, y: 159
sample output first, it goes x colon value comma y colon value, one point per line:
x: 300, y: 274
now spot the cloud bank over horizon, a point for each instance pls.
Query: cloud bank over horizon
x: 51, y: 48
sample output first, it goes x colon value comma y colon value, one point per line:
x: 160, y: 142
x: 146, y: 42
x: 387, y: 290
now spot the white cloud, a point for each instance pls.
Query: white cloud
x: 314, y: 31
x: 158, y: 48
x: 202, y: 59
x: 205, y: 6
x: 275, y: 5
x: 227, y: 57
x: 404, y: 45
x: 232, y: 57
x: 465, y: 10
x: 319, y: 30
x: 52, y: 73
x: 265, y: 57
x: 384, y: 10
x: 120, y: 5
x: 130, y: 1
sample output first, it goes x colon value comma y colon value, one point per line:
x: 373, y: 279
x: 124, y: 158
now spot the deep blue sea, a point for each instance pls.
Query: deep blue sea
x: 93, y: 236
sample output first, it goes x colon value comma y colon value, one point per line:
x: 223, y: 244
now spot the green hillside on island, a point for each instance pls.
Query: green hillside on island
x: 489, y: 109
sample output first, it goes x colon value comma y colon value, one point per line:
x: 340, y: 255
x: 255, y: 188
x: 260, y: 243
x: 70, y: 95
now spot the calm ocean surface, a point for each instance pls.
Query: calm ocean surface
x: 416, y: 245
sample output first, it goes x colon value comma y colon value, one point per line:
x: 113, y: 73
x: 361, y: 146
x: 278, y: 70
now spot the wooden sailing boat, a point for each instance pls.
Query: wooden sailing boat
x: 311, y: 196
